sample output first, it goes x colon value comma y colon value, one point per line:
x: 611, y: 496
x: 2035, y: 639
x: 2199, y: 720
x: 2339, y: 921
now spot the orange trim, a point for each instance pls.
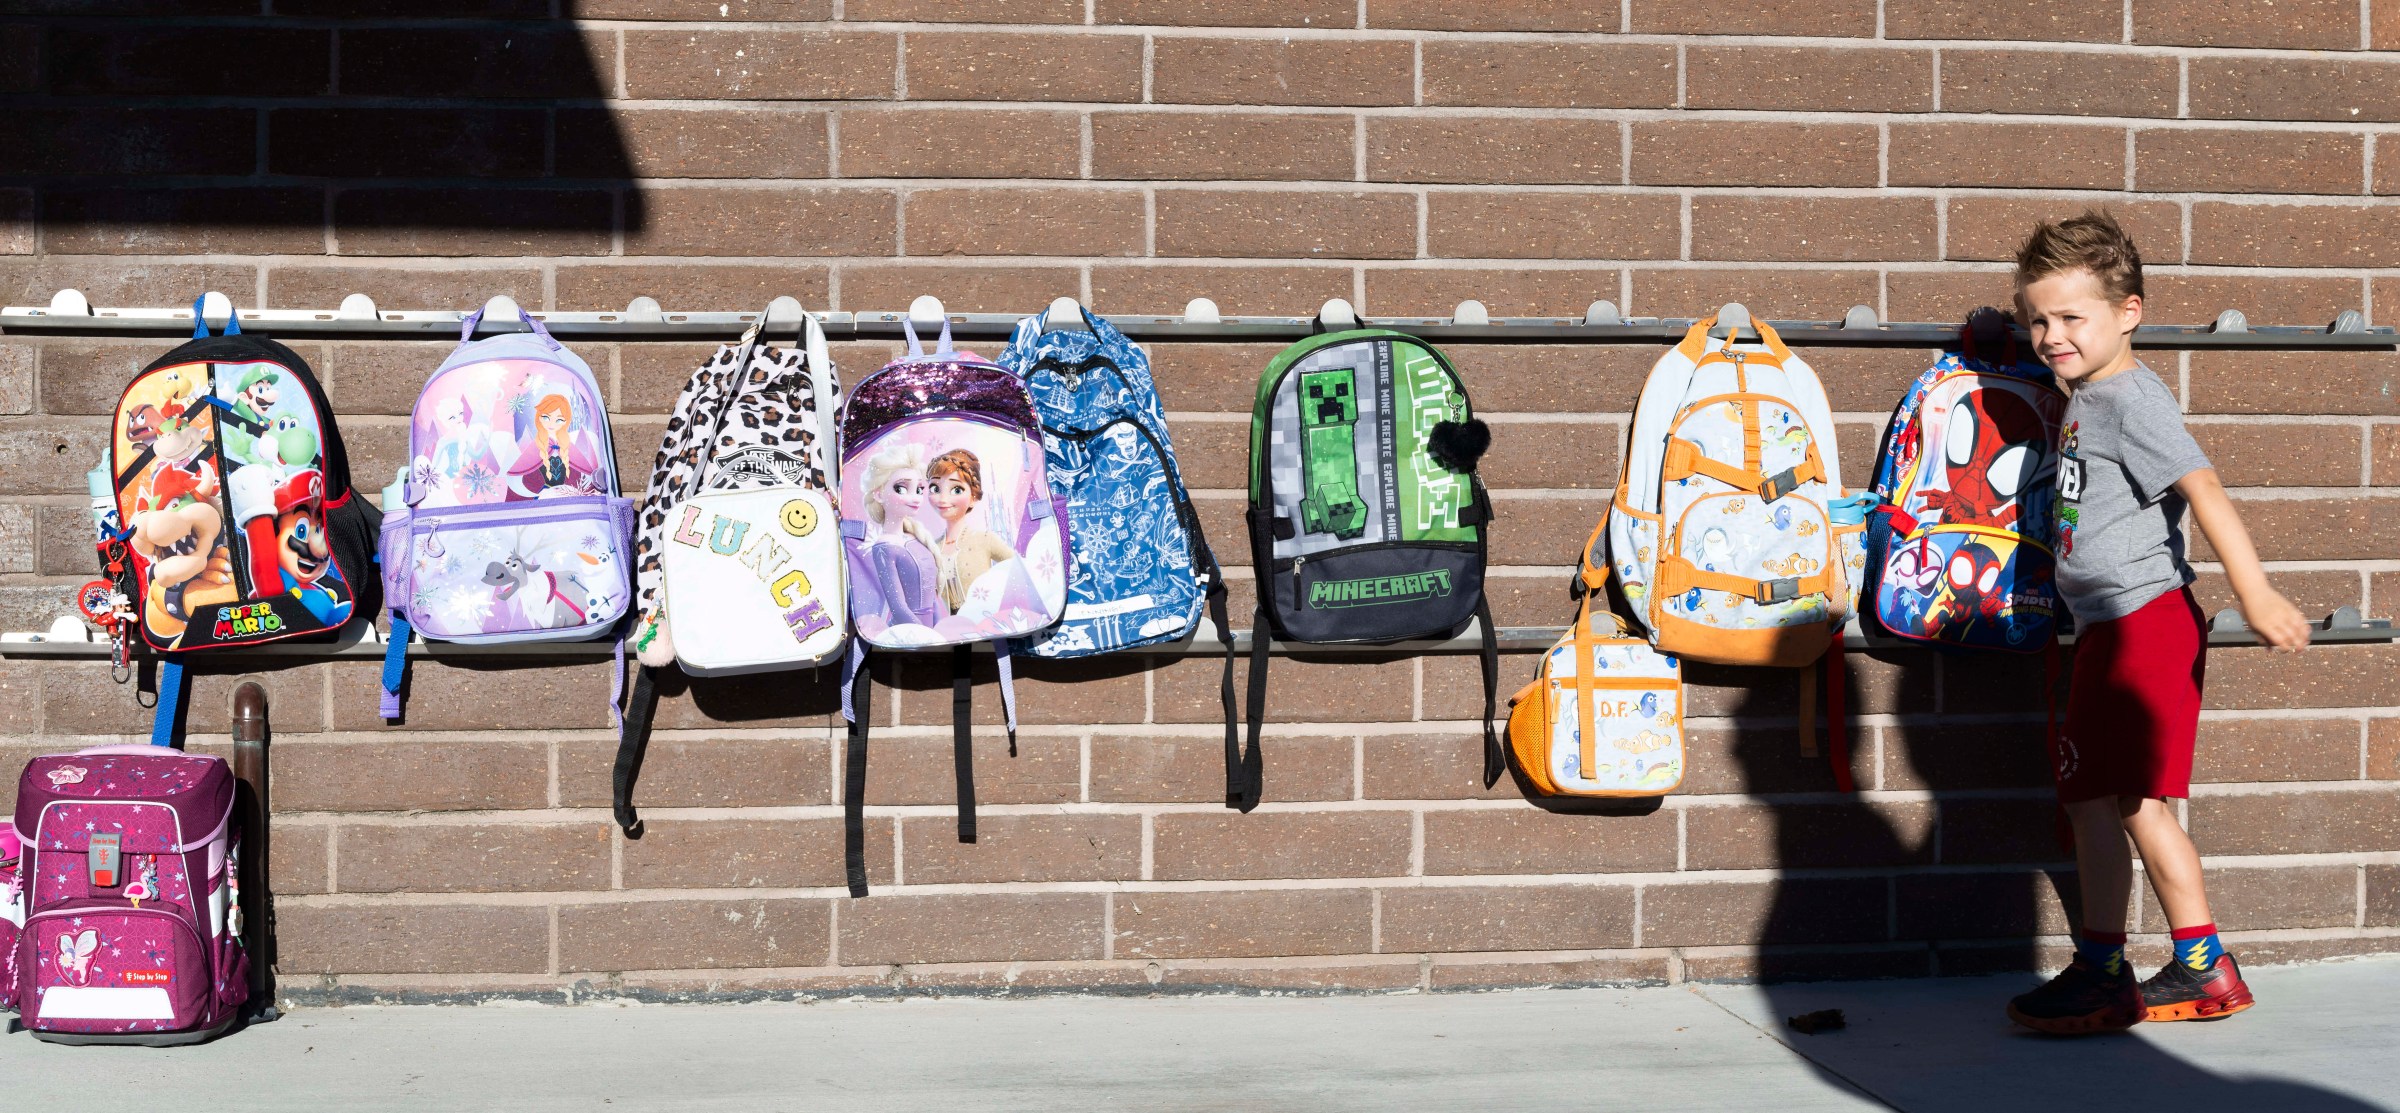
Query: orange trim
x: 1677, y: 575
x: 1779, y: 646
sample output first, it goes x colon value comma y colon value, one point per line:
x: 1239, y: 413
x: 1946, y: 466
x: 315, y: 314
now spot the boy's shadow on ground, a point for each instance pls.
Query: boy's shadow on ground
x: 1911, y: 1043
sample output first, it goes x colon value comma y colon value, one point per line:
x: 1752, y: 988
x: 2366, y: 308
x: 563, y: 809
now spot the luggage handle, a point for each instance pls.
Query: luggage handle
x: 468, y: 323
x: 820, y: 369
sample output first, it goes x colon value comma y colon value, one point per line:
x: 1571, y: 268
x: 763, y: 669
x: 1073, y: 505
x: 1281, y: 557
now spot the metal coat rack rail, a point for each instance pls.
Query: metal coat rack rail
x: 359, y: 318
x: 69, y: 314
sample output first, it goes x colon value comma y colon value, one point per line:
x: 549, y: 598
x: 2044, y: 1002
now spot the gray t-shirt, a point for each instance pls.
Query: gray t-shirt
x: 2122, y: 447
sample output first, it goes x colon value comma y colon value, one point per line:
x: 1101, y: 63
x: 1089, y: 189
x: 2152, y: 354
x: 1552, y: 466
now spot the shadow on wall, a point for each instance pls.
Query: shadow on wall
x: 405, y: 128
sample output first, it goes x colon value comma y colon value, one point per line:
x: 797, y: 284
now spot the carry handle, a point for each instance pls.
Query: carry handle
x: 233, y: 317
x: 467, y: 324
x: 811, y: 336
x: 1984, y: 322
x: 916, y: 347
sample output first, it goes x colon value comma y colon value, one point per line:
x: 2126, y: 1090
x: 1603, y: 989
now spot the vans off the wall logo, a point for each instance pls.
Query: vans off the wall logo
x: 758, y: 466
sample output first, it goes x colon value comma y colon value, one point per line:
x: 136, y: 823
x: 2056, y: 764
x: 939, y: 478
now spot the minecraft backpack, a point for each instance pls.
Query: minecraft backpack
x: 953, y: 537
x: 1142, y: 570
x: 738, y: 562
x: 1961, y: 543
x: 505, y: 525
x: 1604, y: 713
x: 224, y: 508
x: 132, y: 908
x: 1367, y: 521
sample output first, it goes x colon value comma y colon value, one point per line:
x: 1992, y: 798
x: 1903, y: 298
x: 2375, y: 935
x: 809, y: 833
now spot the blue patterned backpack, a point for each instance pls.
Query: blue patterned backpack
x: 1142, y: 570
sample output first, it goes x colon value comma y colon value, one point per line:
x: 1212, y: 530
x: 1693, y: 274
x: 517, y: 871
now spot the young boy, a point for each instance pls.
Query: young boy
x: 2127, y: 470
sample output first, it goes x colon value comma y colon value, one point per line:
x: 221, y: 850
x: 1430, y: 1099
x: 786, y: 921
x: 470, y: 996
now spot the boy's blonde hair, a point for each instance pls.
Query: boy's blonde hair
x: 2092, y: 242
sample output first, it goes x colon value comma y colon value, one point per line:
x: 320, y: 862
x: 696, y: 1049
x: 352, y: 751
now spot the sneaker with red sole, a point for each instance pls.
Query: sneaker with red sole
x: 2081, y: 1001
x: 2179, y: 992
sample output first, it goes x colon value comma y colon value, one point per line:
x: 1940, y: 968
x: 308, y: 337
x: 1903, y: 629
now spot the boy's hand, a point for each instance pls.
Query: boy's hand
x: 2276, y: 621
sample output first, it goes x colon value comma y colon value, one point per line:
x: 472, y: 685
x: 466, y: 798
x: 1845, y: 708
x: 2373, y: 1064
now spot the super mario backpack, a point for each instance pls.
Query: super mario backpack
x: 224, y: 508
x: 1142, y: 570
x: 738, y: 562
x: 954, y: 539
x: 1367, y: 520
x: 506, y: 524
x: 1961, y: 542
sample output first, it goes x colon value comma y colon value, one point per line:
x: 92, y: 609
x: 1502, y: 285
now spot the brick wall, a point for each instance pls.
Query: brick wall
x: 1403, y: 153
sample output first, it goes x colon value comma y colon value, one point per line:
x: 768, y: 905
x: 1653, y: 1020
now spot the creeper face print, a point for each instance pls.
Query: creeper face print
x: 1329, y: 455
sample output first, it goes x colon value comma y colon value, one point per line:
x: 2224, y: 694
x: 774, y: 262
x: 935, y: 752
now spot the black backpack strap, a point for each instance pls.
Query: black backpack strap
x: 962, y: 735
x: 1219, y: 614
x: 1244, y: 779
x: 633, y: 740
x: 1495, y: 763
x: 854, y: 778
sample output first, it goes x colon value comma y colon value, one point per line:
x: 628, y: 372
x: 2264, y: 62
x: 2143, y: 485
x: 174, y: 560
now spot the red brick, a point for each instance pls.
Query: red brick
x: 1979, y: 906
x: 1445, y: 766
x: 1808, y: 78
x: 1048, y: 692
x: 1559, y: 455
x: 2383, y: 594
x: 678, y: 143
x: 1511, y: 225
x: 916, y: 769
x: 1202, y: 146
x: 748, y: 853
x: 448, y: 142
x: 539, y: 62
x: 807, y: 221
x: 1263, y: 845
x: 469, y: 696
x: 2027, y: 20
x: 2348, y: 90
x: 984, y: 65
x: 1024, y: 222
x: 391, y: 939
x: 108, y: 281
x: 1548, y: 74
x: 87, y: 377
x: 693, y: 934
x: 1798, y: 294
x: 2002, y: 831
x: 1730, y: 152
x: 1529, y: 841
x: 1215, y: 378
x: 1794, y: 836
x: 1803, y: 229
x: 2314, y: 529
x: 2059, y: 83
x: 961, y: 143
x: 1023, y: 848
x: 2009, y: 155
x: 479, y: 858
x: 2305, y: 24
x: 297, y: 859
x: 1721, y: 913
x: 2249, y: 455
x: 2384, y: 179
x: 1505, y: 293
x: 1211, y: 453
x: 2278, y: 300
x: 473, y: 222
x: 1991, y: 228
x: 403, y: 775
x: 2383, y: 896
x: 2326, y: 676
x: 1849, y: 18
x: 1141, y: 288
x: 1343, y: 689
x: 189, y: 60
x: 964, y: 11
x: 963, y: 289
x: 2213, y: 160
x: 1551, y: 378
x: 2239, y: 750
x: 2386, y: 451
x: 677, y: 287
x: 183, y: 221
x: 312, y: 286
x: 1393, y: 974
x: 759, y: 65
x: 121, y: 141
x: 1542, y: 531
x: 1947, y: 756
x: 2292, y: 235
x: 1508, y: 918
x: 1494, y: 150
x: 1243, y: 924
x: 1230, y: 13
x: 2337, y: 821
x: 701, y: 773
x: 2317, y: 594
x: 1281, y: 71
x: 1190, y: 769
x: 1280, y: 223
x: 1499, y: 15
x: 1948, y: 296
x: 979, y: 927
x: 45, y: 455
x: 1615, y: 971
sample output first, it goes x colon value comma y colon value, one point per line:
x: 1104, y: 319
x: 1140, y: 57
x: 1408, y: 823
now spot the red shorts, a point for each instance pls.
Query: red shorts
x: 2134, y: 705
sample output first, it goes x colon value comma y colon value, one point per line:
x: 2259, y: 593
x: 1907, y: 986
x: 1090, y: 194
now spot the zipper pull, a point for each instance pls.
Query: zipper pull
x: 1297, y: 594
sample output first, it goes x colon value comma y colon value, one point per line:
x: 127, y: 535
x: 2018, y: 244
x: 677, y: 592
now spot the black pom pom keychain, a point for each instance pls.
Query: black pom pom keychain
x: 1458, y: 445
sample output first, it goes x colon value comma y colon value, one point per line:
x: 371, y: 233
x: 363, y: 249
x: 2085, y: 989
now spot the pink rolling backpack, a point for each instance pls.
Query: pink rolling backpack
x: 131, y: 907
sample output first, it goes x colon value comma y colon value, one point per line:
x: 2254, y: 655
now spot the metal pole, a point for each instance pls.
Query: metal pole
x: 250, y: 771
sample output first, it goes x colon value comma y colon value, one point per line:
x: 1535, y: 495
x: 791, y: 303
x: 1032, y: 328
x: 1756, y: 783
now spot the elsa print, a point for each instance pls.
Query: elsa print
x: 954, y: 485
x: 901, y: 547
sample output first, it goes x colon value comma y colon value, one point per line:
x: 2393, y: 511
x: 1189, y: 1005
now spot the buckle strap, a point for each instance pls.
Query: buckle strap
x: 1677, y: 575
x: 1685, y: 459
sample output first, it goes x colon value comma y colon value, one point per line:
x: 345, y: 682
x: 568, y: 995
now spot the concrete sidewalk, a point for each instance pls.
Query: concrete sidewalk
x: 2322, y: 1040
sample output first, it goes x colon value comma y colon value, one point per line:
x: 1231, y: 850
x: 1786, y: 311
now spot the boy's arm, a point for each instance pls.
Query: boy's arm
x: 2273, y: 617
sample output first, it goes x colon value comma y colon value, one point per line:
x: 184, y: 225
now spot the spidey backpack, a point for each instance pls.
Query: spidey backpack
x: 224, y: 508
x: 1960, y: 546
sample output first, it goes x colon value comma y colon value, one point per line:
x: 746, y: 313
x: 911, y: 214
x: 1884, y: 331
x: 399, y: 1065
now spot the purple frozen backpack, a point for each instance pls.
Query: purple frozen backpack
x: 132, y: 903
x: 951, y: 535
